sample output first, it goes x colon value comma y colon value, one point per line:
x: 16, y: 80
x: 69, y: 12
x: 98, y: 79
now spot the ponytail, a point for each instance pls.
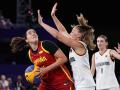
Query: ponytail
x: 88, y: 32
x: 18, y: 44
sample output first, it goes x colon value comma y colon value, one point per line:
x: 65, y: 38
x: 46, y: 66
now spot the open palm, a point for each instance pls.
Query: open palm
x: 40, y: 18
x: 54, y: 9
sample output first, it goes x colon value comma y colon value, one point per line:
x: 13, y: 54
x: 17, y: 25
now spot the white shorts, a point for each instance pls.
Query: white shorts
x: 85, y: 88
x: 113, y: 88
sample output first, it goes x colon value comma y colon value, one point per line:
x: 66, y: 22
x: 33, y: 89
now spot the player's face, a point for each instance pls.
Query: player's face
x: 75, y: 33
x: 101, y: 43
x: 31, y: 36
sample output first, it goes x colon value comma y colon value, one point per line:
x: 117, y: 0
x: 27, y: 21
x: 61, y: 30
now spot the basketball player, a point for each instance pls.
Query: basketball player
x: 104, y: 63
x: 49, y: 57
x: 80, y: 37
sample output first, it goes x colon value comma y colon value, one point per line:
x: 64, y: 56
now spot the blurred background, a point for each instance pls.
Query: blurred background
x: 17, y: 15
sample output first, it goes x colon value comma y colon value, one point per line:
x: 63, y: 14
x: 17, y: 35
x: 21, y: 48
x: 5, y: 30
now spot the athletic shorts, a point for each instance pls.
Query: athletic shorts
x: 113, y: 88
x: 85, y: 88
x: 63, y: 86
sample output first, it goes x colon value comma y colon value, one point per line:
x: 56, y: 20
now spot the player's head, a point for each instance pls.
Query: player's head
x: 31, y: 36
x: 19, y: 43
x: 102, y: 42
x: 83, y: 32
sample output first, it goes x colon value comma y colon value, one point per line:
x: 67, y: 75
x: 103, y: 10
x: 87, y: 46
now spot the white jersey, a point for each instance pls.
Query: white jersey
x: 105, y: 75
x: 81, y: 69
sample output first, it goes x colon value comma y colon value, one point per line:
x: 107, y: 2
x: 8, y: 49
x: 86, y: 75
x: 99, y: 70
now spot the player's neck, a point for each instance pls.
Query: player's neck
x: 102, y: 51
x: 34, y: 46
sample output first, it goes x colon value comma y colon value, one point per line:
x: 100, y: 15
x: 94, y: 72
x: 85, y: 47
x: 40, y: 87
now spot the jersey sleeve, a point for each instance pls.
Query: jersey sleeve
x: 50, y: 46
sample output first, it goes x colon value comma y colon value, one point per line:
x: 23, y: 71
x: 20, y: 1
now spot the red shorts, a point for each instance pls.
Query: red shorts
x: 67, y: 85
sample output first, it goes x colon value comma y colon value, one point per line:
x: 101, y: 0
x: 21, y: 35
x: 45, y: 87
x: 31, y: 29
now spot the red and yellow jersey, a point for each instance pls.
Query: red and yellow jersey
x: 44, y: 58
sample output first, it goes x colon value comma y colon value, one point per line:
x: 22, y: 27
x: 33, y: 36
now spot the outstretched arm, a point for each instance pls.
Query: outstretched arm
x: 62, y: 36
x: 48, y: 28
x: 58, y: 24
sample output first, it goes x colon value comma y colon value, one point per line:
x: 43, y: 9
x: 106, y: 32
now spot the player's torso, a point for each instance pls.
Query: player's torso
x: 105, y: 76
x: 43, y: 58
x: 81, y: 69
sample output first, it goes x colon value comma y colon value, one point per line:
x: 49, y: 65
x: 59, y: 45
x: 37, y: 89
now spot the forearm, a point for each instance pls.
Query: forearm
x: 56, y: 64
x: 50, y: 30
x: 92, y: 71
x: 93, y: 67
x: 58, y: 24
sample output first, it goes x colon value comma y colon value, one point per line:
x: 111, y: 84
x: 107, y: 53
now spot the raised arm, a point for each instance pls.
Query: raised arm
x: 62, y: 36
x: 116, y: 54
x: 58, y: 35
x: 48, y: 28
x: 117, y: 48
x: 58, y: 24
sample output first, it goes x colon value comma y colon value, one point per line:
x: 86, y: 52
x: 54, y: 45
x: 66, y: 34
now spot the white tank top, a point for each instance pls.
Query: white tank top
x: 81, y: 69
x: 105, y: 75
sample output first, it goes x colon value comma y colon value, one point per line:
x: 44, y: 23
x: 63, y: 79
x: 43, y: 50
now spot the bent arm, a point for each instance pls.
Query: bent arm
x: 60, y: 60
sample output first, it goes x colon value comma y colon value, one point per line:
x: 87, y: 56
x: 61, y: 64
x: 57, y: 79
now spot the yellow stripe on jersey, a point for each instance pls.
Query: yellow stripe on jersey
x: 66, y: 73
x: 30, y: 56
x: 43, y: 48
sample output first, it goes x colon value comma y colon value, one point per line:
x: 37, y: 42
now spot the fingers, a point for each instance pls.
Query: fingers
x: 81, y: 15
x: 39, y: 15
x: 55, y: 5
x: 115, y: 48
x: 39, y: 74
x: 118, y: 44
x: 38, y: 11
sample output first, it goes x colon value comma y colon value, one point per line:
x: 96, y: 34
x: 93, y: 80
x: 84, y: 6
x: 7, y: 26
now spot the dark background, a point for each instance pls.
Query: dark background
x: 103, y: 15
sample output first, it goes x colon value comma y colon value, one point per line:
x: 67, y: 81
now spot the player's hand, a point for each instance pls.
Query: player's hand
x: 117, y: 48
x: 54, y: 9
x: 42, y: 72
x: 40, y: 18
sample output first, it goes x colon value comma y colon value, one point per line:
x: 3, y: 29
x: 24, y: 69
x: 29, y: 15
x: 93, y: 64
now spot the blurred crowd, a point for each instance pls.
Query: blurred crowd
x: 5, y: 23
x: 7, y: 83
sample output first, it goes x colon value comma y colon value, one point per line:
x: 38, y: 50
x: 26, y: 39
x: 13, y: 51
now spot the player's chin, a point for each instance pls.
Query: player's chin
x: 34, y: 40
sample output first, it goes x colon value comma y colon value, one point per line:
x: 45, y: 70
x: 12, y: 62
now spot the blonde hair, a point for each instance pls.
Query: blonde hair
x: 88, y: 31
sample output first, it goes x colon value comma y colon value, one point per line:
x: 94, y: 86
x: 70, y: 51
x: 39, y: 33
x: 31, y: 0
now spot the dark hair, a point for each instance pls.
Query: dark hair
x: 18, y: 44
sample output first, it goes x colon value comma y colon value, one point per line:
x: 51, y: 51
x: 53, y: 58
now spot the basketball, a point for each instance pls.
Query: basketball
x: 31, y: 75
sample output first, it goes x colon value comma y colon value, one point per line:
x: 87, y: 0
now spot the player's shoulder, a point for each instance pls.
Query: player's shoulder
x: 47, y: 42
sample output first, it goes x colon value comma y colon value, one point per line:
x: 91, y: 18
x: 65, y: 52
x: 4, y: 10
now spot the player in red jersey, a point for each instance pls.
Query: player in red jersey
x: 49, y: 57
